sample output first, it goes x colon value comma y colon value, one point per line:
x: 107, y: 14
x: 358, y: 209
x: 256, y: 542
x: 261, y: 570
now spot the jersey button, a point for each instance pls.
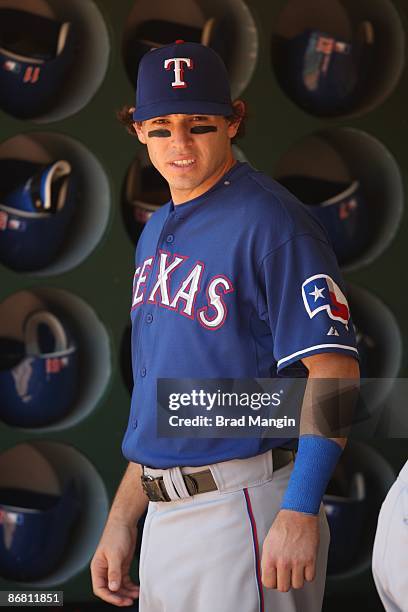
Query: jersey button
x: 170, y: 238
x: 149, y: 318
x: 143, y: 372
x: 134, y: 423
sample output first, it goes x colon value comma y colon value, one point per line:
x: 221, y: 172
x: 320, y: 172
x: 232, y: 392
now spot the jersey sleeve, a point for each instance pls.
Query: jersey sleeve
x: 302, y: 298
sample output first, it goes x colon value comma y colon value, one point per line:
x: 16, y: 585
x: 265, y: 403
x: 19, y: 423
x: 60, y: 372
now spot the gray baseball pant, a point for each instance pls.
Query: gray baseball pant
x: 203, y: 552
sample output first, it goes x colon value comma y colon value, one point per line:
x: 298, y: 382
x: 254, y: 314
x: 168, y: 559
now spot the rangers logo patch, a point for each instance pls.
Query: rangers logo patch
x: 11, y: 518
x: 54, y: 365
x: 320, y: 292
x: 347, y: 208
x: 11, y: 66
x: 325, y: 45
x: 11, y: 223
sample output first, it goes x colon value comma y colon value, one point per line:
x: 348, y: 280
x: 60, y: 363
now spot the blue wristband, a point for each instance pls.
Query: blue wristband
x: 315, y: 462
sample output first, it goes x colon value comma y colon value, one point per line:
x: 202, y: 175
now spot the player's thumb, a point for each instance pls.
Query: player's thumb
x: 114, y: 574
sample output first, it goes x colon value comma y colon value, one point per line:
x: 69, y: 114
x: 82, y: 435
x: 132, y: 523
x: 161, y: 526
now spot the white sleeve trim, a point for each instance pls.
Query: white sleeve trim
x: 317, y: 346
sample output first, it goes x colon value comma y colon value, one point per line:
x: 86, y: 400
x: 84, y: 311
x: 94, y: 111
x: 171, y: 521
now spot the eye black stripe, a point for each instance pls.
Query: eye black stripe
x: 160, y: 133
x: 203, y: 129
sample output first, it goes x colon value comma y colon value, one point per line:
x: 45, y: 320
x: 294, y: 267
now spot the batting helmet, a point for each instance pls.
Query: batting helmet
x: 35, y: 53
x: 34, y: 529
x: 39, y: 388
x: 367, y: 351
x: 340, y: 208
x: 156, y: 33
x: 344, y: 503
x: 37, y: 203
x: 146, y: 191
x: 323, y: 74
x: 352, y: 501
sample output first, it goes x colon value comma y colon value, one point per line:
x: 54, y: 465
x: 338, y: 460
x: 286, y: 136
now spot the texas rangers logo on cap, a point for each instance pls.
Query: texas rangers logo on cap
x: 320, y: 292
x: 177, y: 64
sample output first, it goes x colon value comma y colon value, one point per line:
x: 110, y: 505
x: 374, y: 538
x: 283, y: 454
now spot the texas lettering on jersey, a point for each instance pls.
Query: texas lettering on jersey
x: 182, y: 298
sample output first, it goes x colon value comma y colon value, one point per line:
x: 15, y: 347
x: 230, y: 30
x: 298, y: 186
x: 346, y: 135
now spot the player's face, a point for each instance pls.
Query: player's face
x: 192, y: 152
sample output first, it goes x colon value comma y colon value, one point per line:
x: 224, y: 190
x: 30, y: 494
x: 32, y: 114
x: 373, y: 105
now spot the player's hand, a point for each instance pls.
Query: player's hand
x: 110, y: 565
x: 290, y: 550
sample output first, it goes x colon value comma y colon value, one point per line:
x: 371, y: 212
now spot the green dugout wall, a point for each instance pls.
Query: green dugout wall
x: 91, y: 278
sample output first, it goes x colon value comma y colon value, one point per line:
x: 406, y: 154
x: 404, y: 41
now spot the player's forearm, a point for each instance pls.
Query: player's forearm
x: 327, y: 411
x: 330, y: 396
x: 130, y: 500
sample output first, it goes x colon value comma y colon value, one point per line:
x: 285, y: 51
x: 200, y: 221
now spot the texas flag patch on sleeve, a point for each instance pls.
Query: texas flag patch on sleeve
x: 320, y: 292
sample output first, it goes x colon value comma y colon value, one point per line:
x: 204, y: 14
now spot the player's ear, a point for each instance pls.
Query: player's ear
x: 139, y: 131
x: 235, y: 121
x: 137, y: 126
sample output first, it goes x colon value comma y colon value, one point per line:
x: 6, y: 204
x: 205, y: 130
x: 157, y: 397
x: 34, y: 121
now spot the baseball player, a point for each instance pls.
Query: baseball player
x: 233, y: 279
x: 390, y: 552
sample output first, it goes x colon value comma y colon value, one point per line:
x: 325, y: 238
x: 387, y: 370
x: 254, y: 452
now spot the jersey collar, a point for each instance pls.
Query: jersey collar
x: 225, y: 182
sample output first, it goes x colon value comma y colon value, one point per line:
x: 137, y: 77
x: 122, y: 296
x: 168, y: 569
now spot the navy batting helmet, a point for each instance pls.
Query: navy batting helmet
x: 367, y: 351
x: 340, y: 207
x: 156, y: 33
x: 36, y: 205
x: 323, y: 74
x: 146, y: 192
x: 35, y: 53
x: 34, y: 529
x: 40, y: 387
x: 344, y: 503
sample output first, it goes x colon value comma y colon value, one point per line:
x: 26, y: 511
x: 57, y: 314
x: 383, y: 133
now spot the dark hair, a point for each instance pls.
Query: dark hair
x: 124, y: 115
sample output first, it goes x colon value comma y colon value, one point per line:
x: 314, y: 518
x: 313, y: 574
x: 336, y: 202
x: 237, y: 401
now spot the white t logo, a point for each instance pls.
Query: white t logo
x: 178, y: 69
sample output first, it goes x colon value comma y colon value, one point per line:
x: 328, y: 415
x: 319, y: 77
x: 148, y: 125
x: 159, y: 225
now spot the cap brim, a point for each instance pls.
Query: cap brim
x: 187, y: 107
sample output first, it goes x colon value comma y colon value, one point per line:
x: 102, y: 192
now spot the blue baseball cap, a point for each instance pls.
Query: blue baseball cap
x: 183, y: 77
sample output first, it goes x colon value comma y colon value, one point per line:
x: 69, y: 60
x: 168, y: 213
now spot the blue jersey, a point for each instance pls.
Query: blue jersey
x: 240, y: 282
